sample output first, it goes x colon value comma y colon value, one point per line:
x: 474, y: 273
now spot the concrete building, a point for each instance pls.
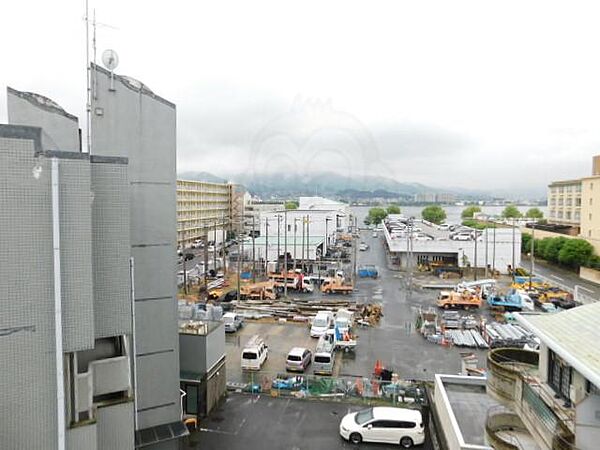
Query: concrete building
x: 204, y: 211
x: 590, y: 202
x: 564, y: 202
x: 129, y: 120
x: 202, y: 363
x: 497, y: 248
x: 556, y: 392
x: 66, y: 324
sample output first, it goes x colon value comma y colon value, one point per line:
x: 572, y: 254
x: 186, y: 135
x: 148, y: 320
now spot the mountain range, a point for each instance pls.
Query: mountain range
x: 328, y: 184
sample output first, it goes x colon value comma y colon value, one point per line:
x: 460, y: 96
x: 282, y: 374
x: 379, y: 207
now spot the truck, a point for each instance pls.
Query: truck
x: 336, y: 285
x: 512, y: 301
x: 483, y: 287
x: 344, y: 320
x: 295, y: 281
x: 453, y: 299
x: 264, y: 290
x: 368, y: 271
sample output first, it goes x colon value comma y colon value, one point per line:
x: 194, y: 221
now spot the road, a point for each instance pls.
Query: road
x: 261, y: 422
x: 562, y: 276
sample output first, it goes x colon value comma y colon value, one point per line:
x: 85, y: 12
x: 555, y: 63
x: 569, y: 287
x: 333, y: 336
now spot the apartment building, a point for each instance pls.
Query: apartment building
x: 565, y: 202
x: 590, y: 201
x: 204, y: 211
x: 556, y: 392
x: 66, y: 324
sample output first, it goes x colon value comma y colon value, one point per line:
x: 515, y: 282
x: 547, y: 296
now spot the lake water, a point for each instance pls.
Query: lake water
x: 452, y: 212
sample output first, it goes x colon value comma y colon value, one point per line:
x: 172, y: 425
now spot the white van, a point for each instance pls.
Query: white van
x: 322, y: 322
x: 324, y: 359
x: 254, y: 353
x: 384, y: 424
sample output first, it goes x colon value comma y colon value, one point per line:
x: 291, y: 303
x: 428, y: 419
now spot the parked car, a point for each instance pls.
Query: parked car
x: 298, y: 359
x: 233, y: 322
x: 363, y: 247
x: 443, y: 226
x: 254, y: 353
x: 374, y: 234
x: 384, y: 424
x: 462, y: 237
x: 321, y: 323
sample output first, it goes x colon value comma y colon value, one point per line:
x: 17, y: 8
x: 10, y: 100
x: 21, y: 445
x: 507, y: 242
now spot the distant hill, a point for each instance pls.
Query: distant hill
x: 325, y: 183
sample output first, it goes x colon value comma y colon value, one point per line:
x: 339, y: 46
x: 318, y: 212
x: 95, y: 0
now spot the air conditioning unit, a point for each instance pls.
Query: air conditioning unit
x: 576, y: 393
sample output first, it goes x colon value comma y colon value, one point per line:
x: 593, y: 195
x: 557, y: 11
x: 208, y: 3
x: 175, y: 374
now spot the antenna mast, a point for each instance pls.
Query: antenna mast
x: 88, y: 81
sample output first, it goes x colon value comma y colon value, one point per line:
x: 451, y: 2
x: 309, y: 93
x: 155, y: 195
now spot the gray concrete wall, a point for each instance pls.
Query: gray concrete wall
x: 136, y: 124
x: 111, y: 247
x: 26, y: 286
x: 115, y: 427
x: 192, y: 353
x: 60, y: 130
x: 215, y: 346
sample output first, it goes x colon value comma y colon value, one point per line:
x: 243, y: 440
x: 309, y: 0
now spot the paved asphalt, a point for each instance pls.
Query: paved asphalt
x: 394, y: 341
x: 248, y: 422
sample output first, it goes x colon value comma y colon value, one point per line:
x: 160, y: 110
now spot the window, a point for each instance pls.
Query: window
x: 590, y: 216
x: 363, y: 417
x: 590, y: 202
x: 568, y: 215
x: 323, y: 359
x: 249, y: 355
x: 591, y: 185
x: 559, y: 375
x: 577, y: 216
x: 577, y: 202
x: 589, y: 233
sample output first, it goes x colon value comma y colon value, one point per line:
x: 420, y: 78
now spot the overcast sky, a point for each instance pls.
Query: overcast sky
x: 449, y: 93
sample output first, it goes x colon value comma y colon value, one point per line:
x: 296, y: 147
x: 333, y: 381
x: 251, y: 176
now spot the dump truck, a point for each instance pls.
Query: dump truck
x: 295, y: 281
x: 336, y: 285
x: 258, y: 291
x: 452, y: 299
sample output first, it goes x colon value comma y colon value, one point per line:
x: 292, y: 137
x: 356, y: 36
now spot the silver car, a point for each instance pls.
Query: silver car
x: 298, y: 359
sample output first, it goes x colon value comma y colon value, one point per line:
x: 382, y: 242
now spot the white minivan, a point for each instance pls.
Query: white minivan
x: 384, y: 424
x: 254, y: 353
x: 322, y: 322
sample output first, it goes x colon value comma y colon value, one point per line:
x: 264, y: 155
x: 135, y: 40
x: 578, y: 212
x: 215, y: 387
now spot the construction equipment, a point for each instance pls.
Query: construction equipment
x: 452, y: 299
x: 336, y: 285
x: 295, y: 281
x: 508, y: 302
x: 264, y: 290
x: 558, y: 297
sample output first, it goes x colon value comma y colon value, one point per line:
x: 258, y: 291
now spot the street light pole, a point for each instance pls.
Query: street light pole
x: 215, y: 249
x: 486, y: 252
x: 513, y: 249
x: 223, y: 246
x: 494, y: 254
x: 475, y: 258
x: 302, y: 247
x: 308, y: 239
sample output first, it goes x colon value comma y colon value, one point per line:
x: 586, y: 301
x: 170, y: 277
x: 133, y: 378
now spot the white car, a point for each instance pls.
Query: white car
x: 384, y: 424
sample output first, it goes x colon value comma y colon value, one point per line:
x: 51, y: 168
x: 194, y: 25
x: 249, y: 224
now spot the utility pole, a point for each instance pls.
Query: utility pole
x: 278, y: 241
x: 513, y: 250
x: 266, y: 245
x: 253, y: 251
x: 302, y: 247
x: 354, y: 263
x: 308, y: 239
x: 295, y: 229
x: 532, y: 253
x: 494, y: 253
x: 285, y: 258
x: 224, y: 238
x: 215, y: 249
x: 205, y: 241
x: 239, y: 266
x: 475, y: 258
x: 486, y: 252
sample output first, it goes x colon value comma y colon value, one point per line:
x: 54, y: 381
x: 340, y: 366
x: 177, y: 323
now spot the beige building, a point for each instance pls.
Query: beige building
x: 202, y: 208
x: 564, y: 202
x: 590, y: 208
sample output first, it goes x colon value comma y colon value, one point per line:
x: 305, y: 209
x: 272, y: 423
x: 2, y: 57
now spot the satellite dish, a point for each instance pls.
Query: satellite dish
x: 110, y: 59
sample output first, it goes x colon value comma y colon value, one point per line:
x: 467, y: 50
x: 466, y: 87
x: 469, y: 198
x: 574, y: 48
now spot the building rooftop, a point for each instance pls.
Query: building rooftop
x: 573, y: 335
x: 565, y: 182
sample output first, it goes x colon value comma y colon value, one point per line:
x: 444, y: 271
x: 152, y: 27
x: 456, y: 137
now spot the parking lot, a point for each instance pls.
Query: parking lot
x: 394, y: 341
x: 261, y: 422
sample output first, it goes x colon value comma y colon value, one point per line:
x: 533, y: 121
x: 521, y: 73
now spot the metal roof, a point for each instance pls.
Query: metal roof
x: 573, y: 335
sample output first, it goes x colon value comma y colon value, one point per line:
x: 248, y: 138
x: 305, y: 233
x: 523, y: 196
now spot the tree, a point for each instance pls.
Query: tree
x: 478, y: 225
x: 553, y: 248
x: 534, y: 213
x: 376, y: 216
x: 433, y: 213
x: 526, y: 243
x: 393, y: 209
x: 575, y: 252
x: 541, y: 245
x: 511, y: 212
x: 291, y: 204
x: 470, y: 211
